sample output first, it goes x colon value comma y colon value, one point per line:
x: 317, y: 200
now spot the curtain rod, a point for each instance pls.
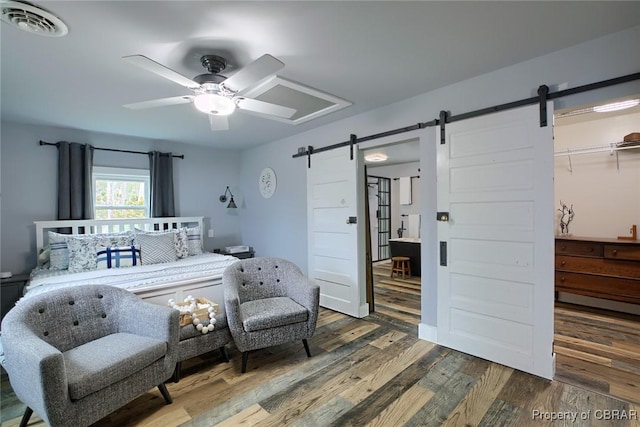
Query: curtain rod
x: 179, y: 156
x: 527, y: 101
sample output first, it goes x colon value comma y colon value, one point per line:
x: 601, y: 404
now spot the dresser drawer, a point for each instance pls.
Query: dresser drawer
x: 568, y: 247
x: 627, y: 252
x: 608, y: 267
x: 627, y: 290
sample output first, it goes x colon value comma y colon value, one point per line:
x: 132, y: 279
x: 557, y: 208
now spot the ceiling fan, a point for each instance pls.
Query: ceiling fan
x: 214, y: 94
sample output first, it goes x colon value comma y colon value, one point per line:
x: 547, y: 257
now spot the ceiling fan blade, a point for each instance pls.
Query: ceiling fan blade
x: 265, y: 108
x: 218, y: 122
x: 159, y: 69
x: 252, y: 73
x: 162, y: 102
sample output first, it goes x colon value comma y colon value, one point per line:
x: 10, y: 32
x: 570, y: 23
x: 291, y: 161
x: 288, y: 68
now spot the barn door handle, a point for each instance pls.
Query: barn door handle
x: 443, y: 253
x: 442, y: 216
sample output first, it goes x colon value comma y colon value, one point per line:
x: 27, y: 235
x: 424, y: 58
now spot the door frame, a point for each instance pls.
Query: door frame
x: 428, y: 205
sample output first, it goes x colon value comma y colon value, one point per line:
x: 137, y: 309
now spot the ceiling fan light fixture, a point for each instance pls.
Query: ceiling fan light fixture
x: 211, y: 103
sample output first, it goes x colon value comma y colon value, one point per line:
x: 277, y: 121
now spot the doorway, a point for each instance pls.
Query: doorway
x: 597, y: 176
x: 396, y: 298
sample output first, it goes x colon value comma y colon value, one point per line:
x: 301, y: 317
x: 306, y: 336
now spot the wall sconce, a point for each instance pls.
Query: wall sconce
x: 223, y: 199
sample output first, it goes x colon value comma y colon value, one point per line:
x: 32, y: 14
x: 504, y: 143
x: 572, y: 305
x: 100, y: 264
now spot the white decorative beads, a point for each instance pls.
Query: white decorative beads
x: 191, y: 307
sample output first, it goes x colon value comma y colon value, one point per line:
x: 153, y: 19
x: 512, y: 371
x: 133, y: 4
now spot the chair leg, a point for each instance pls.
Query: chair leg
x: 165, y: 394
x: 25, y: 417
x: 245, y: 358
x: 306, y: 347
x: 177, y: 373
x: 223, y: 353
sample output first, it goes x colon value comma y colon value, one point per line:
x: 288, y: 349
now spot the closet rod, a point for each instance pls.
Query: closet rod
x: 597, y: 149
x: 179, y: 156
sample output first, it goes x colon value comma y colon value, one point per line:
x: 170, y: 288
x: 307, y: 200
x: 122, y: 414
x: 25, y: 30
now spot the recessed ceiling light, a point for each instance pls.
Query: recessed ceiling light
x: 615, y: 106
x: 376, y: 157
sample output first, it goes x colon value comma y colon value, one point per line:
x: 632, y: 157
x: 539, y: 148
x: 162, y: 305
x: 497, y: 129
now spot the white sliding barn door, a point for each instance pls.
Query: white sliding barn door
x: 336, y: 246
x: 495, y: 293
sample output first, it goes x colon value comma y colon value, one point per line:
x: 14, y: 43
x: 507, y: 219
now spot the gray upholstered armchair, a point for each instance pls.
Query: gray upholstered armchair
x: 76, y: 354
x: 269, y: 302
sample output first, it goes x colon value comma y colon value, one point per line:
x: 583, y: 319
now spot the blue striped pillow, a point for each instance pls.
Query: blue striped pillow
x: 117, y: 257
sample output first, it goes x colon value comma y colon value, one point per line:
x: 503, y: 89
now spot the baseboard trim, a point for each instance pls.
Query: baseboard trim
x: 428, y: 332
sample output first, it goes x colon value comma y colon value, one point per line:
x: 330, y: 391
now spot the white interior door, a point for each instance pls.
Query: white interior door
x: 336, y: 243
x: 495, y: 293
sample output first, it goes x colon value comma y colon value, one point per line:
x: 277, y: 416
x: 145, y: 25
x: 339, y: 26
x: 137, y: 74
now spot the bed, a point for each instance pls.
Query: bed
x: 197, y: 273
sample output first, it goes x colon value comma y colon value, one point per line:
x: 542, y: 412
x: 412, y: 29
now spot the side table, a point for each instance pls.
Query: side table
x: 11, y: 291
x: 240, y: 255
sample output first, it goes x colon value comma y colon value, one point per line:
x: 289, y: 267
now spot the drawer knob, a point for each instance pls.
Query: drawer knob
x: 563, y: 247
x: 563, y: 262
x: 614, y: 252
x: 562, y: 278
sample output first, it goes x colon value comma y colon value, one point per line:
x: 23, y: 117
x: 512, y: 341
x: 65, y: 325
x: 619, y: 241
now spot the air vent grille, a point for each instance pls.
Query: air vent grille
x: 32, y: 19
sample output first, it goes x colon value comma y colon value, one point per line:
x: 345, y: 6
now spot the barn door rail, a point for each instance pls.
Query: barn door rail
x: 543, y: 96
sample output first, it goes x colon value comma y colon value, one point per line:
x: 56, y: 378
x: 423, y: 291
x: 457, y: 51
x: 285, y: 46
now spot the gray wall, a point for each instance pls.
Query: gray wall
x: 278, y: 226
x: 29, y: 184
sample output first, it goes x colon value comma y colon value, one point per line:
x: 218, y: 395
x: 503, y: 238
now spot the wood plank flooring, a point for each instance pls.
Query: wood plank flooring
x: 598, y: 350
x: 376, y: 372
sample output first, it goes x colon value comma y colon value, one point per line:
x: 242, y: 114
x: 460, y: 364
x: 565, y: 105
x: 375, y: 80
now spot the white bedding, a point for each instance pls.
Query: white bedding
x: 197, y: 267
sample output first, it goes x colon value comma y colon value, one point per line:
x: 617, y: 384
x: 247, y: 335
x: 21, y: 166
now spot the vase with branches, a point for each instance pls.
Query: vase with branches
x: 566, y: 217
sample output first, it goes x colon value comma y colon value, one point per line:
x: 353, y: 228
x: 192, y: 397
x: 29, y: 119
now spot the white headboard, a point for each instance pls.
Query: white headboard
x: 100, y: 226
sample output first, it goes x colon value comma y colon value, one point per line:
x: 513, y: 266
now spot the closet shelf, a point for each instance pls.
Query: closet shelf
x: 610, y: 148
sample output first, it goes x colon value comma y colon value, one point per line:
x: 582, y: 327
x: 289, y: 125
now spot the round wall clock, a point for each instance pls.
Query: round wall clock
x: 267, y: 182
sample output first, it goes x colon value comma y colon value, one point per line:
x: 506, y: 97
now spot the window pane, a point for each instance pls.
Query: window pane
x: 111, y: 213
x: 119, y: 193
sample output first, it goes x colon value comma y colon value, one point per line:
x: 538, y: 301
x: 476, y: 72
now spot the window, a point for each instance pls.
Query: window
x: 120, y: 193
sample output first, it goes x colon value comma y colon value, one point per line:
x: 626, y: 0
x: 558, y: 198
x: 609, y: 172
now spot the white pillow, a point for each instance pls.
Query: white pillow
x: 157, y: 247
x: 58, y: 251
x: 179, y: 239
x: 194, y: 241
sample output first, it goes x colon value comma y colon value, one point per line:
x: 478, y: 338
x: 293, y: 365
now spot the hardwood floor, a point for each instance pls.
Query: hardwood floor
x: 396, y: 298
x: 375, y: 371
x: 598, y: 350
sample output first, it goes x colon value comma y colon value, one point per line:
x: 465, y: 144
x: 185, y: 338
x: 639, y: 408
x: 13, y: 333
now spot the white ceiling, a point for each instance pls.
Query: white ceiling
x: 369, y: 53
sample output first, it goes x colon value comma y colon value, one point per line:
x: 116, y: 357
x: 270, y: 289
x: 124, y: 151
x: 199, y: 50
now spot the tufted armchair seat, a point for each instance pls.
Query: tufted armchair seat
x: 76, y: 354
x: 269, y: 302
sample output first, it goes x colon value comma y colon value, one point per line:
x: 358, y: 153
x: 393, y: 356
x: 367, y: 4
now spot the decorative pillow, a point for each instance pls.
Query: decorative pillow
x: 194, y: 241
x: 44, y: 257
x: 182, y: 242
x: 179, y: 239
x: 118, y: 257
x: 59, y: 253
x: 157, y: 248
x: 82, y: 254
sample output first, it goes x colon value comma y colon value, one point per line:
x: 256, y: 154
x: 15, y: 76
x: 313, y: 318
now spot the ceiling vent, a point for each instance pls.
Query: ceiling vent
x: 32, y: 19
x: 309, y: 103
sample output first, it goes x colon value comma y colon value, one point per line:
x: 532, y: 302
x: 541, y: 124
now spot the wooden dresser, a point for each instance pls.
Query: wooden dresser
x: 601, y: 268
